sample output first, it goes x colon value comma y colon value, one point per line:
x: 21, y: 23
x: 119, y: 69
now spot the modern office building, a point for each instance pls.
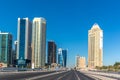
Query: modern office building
x: 24, y: 38
x: 80, y: 62
x: 5, y: 49
x: 39, y: 43
x: 62, y: 57
x: 95, y: 47
x: 51, y: 52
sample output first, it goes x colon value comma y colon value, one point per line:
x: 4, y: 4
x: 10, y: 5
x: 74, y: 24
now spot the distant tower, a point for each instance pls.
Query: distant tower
x: 15, y: 53
x: 15, y: 44
x: 62, y: 57
x: 77, y: 61
x: 80, y: 62
x: 95, y: 47
x: 51, y: 52
x: 39, y: 42
x: 5, y: 49
x: 24, y: 39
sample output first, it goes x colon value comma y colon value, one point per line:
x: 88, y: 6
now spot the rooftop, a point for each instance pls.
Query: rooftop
x: 95, y: 26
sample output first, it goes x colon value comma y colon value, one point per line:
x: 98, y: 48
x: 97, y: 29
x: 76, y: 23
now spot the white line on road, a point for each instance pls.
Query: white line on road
x: 63, y: 76
x: 37, y: 77
x: 77, y: 75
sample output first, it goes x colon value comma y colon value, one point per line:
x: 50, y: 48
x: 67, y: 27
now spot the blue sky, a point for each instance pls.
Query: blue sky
x: 68, y: 22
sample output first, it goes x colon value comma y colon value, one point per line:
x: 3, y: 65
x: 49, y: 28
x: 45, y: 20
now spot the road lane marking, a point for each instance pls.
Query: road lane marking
x: 77, y: 75
x: 63, y: 76
x: 46, y: 75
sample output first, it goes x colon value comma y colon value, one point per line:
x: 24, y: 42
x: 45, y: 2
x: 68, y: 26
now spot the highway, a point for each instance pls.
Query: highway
x: 65, y: 75
x: 70, y: 75
x: 21, y: 75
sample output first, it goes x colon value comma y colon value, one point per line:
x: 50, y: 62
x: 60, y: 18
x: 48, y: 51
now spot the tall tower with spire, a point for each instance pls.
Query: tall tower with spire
x: 95, y: 46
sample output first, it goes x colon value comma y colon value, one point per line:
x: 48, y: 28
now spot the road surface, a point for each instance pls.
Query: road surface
x: 64, y: 75
x: 69, y: 75
x: 21, y: 75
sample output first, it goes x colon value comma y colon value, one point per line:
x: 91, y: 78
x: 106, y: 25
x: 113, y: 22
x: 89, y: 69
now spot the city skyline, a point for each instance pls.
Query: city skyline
x: 68, y: 24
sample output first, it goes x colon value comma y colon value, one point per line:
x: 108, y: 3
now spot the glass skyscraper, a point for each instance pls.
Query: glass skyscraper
x: 62, y: 57
x: 51, y: 52
x: 5, y: 49
x: 24, y: 42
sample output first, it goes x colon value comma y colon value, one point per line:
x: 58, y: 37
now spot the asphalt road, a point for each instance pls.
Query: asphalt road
x: 70, y: 75
x: 67, y: 75
x: 21, y: 75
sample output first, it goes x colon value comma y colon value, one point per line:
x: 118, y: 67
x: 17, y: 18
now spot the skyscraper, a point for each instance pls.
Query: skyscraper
x: 51, y: 52
x: 24, y: 42
x: 62, y: 57
x: 39, y: 43
x: 15, y: 44
x: 14, y: 52
x: 95, y: 47
x: 5, y: 49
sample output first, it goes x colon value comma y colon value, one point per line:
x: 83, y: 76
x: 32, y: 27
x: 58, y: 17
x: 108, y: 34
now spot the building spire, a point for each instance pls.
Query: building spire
x: 95, y: 26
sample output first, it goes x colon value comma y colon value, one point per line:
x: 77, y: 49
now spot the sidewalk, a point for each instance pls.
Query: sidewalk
x: 103, y: 76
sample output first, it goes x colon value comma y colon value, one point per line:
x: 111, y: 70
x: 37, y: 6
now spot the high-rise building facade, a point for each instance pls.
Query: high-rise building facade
x: 15, y: 44
x: 14, y: 52
x: 95, y: 47
x: 51, y: 52
x: 5, y: 49
x: 39, y: 43
x: 62, y: 57
x: 24, y: 38
x: 80, y: 62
